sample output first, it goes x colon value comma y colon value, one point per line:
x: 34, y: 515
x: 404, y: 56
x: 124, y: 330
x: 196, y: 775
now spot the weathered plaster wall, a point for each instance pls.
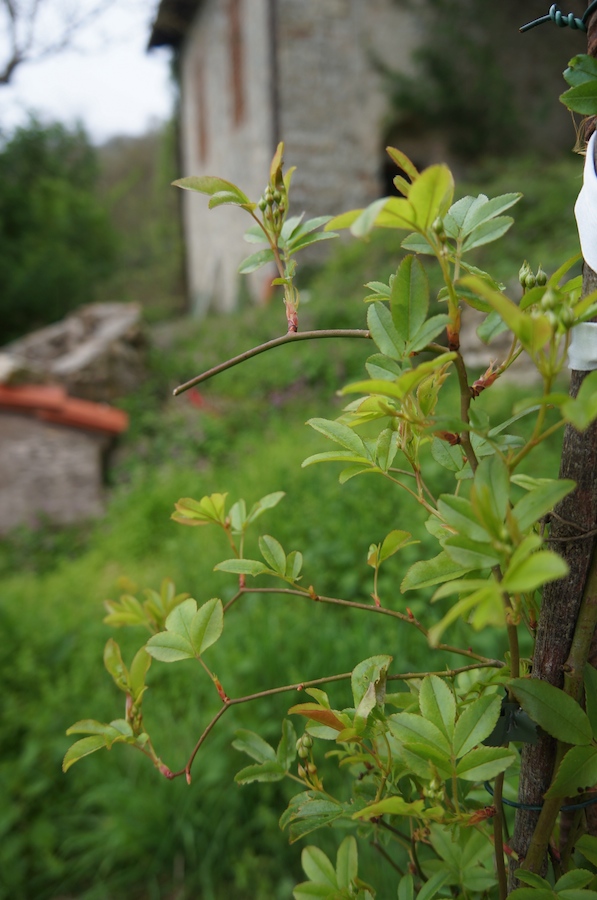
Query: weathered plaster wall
x: 331, y: 106
x: 217, y: 141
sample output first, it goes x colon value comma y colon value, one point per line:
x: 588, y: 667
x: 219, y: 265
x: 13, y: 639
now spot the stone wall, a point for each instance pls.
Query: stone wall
x: 327, y: 105
x: 48, y: 471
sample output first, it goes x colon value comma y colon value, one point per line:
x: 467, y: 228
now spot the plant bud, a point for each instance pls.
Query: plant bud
x: 301, y: 772
x: 277, y: 196
x: 530, y: 281
x: 307, y: 741
x: 541, y: 277
x: 567, y: 317
x: 303, y: 752
x: 311, y: 768
x: 525, y: 270
x: 262, y: 203
x: 549, y: 300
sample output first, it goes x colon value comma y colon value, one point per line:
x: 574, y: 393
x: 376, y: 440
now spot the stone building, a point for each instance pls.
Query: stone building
x: 254, y: 72
x: 52, y: 455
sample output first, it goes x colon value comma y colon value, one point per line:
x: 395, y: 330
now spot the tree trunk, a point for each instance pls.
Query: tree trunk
x: 572, y: 519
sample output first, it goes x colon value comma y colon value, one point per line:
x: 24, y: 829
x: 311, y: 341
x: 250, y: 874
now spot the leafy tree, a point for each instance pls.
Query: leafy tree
x: 56, y: 241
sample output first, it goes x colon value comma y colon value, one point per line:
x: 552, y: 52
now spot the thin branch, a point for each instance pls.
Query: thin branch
x: 380, y: 610
x: 235, y: 701
x: 269, y: 345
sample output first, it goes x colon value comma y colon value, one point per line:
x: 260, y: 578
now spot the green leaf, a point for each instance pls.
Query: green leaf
x: 446, y: 455
x: 392, y: 806
x: 294, y: 564
x: 393, y: 542
x: 490, y: 493
x: 211, y: 185
x: 286, y: 751
x: 168, y: 647
x: 254, y: 746
x: 481, y: 212
x: 438, y: 704
x: 576, y: 772
x: 309, y: 811
x: 403, y: 162
x: 366, y: 220
x: 370, y: 671
x: 265, y: 772
x: 409, y: 300
x: 487, y: 232
x: 80, y: 749
x: 532, y: 879
x: 532, y: 332
x: 582, y: 410
x: 417, y: 243
x: 243, y: 567
x: 539, y: 501
x: 428, y: 332
x: 581, y: 68
x: 574, y: 880
x: 556, y: 712
x: 410, y: 728
x: 531, y: 894
x: 344, y: 220
x: 428, y: 572
x: 256, y: 261
x: 582, y: 98
x: 484, y: 763
x: 431, y: 195
x: 115, y: 666
x: 347, y: 863
x: 207, y: 625
x: 590, y: 675
x: 206, y: 511
x: 534, y: 572
x: 491, y: 327
x: 476, y: 723
x: 470, y: 554
x: 300, y: 243
x: 273, y: 553
x: 587, y: 844
x: 383, y: 331
x: 340, y: 434
x: 267, y: 502
x: 139, y: 668
x: 433, y: 885
x: 458, y: 513
x: 406, y: 888
x: 318, y: 867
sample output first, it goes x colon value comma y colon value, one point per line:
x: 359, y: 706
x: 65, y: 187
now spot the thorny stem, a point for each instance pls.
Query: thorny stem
x: 269, y: 345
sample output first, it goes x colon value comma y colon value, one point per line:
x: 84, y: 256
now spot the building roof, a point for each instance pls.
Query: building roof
x: 52, y: 404
x: 171, y: 22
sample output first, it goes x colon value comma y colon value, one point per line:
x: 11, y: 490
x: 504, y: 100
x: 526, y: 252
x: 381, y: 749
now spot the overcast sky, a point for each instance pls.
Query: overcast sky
x: 108, y: 81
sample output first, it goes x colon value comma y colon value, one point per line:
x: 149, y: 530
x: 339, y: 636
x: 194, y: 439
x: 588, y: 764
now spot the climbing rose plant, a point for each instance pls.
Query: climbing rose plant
x: 426, y: 757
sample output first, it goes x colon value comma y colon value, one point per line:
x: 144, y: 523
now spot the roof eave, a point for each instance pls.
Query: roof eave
x: 172, y: 22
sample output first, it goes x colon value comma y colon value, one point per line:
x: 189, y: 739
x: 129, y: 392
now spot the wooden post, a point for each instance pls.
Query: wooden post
x: 573, y: 518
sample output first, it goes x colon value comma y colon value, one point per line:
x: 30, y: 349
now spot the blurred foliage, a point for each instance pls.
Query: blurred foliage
x: 112, y: 829
x: 135, y: 181
x: 498, y: 92
x: 56, y: 241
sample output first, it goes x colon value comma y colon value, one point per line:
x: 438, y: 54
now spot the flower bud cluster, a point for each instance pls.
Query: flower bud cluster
x: 272, y: 204
x: 529, y: 279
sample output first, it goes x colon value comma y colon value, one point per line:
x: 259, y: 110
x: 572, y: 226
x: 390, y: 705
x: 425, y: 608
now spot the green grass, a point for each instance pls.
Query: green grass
x: 112, y: 828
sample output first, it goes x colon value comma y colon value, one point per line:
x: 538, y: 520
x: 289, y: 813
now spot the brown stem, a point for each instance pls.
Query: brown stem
x: 498, y: 836
x: 379, y: 610
x: 269, y: 345
x: 465, y: 404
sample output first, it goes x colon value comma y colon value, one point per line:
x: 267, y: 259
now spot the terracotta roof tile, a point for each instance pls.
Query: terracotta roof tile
x: 52, y: 404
